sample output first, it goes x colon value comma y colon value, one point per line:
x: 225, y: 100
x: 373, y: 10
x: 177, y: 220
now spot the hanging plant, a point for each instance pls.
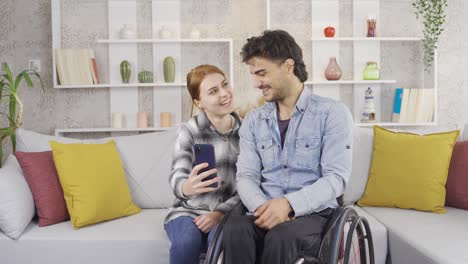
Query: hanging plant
x: 432, y: 13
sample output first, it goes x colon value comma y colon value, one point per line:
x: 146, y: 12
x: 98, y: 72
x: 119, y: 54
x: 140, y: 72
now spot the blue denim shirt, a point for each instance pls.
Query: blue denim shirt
x: 313, y: 167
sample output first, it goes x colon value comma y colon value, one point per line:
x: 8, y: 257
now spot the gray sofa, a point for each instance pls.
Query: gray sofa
x: 402, y: 236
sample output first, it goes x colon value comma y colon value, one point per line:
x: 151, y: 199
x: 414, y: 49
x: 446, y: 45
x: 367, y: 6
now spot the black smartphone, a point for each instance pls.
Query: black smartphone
x: 204, y: 153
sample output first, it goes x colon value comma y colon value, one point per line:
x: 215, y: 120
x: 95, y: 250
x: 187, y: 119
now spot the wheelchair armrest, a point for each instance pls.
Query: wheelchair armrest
x: 214, y: 249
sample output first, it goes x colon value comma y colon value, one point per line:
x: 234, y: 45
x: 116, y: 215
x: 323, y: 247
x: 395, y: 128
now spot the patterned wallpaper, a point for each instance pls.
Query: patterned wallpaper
x: 25, y: 33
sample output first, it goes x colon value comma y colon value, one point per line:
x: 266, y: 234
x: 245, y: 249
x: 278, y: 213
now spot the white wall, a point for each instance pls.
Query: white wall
x: 25, y: 32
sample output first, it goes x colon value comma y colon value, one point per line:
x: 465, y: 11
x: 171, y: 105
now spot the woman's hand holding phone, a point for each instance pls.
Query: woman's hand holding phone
x: 195, y: 185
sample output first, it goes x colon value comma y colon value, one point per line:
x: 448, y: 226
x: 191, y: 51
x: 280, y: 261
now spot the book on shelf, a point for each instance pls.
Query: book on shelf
x: 397, y: 105
x: 76, y: 66
x: 93, y: 66
x: 415, y: 105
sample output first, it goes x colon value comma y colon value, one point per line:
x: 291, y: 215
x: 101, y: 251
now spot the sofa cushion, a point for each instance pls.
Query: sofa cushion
x: 93, y: 182
x: 457, y: 181
x: 147, y: 163
x: 409, y: 170
x: 423, y: 238
x: 362, y: 156
x: 146, y: 159
x: 42, y: 178
x: 16, y: 200
x: 135, y: 239
x: 29, y: 141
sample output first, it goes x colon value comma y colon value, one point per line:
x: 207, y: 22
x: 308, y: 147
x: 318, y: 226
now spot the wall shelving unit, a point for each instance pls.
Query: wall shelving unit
x: 167, y: 97
x: 327, y: 12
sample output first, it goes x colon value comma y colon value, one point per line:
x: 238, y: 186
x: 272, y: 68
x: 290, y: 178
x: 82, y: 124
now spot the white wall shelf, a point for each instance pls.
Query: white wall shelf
x: 124, y: 97
x: 62, y: 131
x: 105, y: 85
x: 367, y: 39
x: 363, y: 49
x: 208, y: 40
x: 350, y: 82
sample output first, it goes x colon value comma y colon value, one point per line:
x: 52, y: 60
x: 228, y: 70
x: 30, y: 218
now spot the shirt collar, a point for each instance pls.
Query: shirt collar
x: 301, y: 104
x: 204, y: 122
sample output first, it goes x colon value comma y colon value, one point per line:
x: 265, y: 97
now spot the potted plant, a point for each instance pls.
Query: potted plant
x: 9, y: 93
x: 433, y: 16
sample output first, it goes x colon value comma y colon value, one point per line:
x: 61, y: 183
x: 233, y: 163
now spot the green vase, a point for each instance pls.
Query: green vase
x: 371, y: 72
x: 145, y: 77
x: 169, y: 69
x: 125, y: 71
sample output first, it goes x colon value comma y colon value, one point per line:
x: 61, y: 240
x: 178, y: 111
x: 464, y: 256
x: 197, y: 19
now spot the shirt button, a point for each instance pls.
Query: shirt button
x: 285, y: 166
x: 263, y: 147
x: 307, y: 146
x: 225, y: 139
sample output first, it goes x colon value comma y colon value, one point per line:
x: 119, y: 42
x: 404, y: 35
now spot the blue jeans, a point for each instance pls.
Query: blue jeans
x: 187, y: 241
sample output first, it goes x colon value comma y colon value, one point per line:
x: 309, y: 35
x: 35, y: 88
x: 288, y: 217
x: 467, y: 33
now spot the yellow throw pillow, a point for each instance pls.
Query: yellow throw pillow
x: 93, y: 182
x: 409, y: 171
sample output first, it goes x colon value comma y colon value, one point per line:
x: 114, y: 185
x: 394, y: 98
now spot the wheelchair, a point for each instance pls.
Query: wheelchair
x: 347, y: 239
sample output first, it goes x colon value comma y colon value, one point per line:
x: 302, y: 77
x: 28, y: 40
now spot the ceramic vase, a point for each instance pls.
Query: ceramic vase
x: 333, y: 70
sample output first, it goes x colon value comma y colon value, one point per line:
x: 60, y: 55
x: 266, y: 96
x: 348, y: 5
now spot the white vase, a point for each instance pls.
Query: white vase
x: 117, y: 120
x: 127, y: 32
x: 164, y: 33
x: 195, y: 33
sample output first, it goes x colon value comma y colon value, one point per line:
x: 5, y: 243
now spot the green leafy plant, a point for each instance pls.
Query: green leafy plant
x: 9, y: 93
x: 432, y: 12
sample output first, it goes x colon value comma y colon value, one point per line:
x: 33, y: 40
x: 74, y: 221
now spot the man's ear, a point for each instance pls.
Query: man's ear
x: 289, y: 65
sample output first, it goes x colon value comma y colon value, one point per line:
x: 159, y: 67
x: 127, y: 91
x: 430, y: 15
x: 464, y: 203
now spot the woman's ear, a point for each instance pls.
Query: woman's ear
x: 197, y: 103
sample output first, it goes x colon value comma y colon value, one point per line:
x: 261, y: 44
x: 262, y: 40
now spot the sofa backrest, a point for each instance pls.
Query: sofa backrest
x: 146, y: 159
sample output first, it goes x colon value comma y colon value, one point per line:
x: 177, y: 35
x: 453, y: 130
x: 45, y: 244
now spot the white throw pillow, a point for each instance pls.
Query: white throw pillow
x: 16, y: 200
x: 362, y: 156
x: 147, y: 163
x: 146, y: 159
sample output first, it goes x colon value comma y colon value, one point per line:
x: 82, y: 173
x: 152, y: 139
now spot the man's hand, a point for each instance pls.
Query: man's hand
x: 272, y: 213
x: 207, y: 221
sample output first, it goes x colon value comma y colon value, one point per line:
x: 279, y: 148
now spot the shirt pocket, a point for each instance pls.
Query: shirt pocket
x: 267, y: 152
x: 308, y: 152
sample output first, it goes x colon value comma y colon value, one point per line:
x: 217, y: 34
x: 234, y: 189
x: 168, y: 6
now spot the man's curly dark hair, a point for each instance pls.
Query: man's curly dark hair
x: 276, y: 45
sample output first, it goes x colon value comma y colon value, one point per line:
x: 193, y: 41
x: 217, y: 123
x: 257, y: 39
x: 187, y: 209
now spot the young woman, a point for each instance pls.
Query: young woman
x: 198, y: 208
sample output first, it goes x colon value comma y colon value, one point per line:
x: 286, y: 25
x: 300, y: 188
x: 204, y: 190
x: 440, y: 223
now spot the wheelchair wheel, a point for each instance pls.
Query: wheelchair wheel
x: 356, y: 246
x: 347, y: 241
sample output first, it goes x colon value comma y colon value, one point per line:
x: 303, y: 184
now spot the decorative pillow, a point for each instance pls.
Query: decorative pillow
x: 362, y: 156
x: 147, y: 163
x: 457, y: 182
x: 16, y: 200
x: 41, y: 176
x: 408, y: 170
x: 146, y: 160
x: 93, y: 182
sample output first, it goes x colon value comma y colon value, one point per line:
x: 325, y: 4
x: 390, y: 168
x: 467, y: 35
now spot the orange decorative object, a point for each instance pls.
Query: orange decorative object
x: 142, y: 120
x: 166, y: 119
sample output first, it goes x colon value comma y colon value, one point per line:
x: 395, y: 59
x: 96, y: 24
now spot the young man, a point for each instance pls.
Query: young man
x: 294, y: 161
